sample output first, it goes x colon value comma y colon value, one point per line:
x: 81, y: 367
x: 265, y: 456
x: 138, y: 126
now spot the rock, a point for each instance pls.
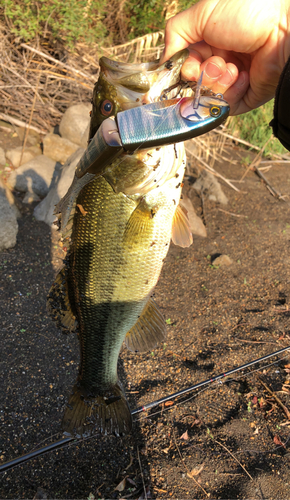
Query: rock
x: 14, y: 203
x: 40, y: 495
x: 58, y: 148
x: 8, y: 222
x: 14, y: 155
x: 34, y: 176
x: 209, y: 186
x: 74, y: 122
x: 196, y: 225
x: 44, y: 211
x: 85, y: 137
x: 222, y: 260
x: 2, y: 157
x: 30, y: 197
x: 33, y: 137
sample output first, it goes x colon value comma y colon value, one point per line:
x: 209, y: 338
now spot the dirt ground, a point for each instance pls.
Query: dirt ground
x: 225, y: 441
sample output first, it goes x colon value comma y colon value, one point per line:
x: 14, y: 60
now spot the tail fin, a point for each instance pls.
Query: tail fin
x: 108, y: 413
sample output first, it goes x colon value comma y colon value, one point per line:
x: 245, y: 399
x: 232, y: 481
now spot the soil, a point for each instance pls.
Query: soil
x: 223, y: 441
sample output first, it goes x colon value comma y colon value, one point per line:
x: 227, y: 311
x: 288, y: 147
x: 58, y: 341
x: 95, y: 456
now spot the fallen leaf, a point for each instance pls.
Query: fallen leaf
x: 255, y: 400
x: 278, y: 441
x: 185, y: 436
x: 81, y: 209
x: 121, y: 485
x: 131, y: 481
x: 196, y: 471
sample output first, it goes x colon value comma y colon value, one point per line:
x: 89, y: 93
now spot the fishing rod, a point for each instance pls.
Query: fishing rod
x: 59, y: 444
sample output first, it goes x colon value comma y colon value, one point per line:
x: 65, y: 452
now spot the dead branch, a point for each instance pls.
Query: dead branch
x: 273, y: 395
x: 46, y: 56
x: 19, y: 123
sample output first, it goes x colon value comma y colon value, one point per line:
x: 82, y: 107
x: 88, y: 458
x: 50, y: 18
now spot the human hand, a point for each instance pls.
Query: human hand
x: 241, y: 45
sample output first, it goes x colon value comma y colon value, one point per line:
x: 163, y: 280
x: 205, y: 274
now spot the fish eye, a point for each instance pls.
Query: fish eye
x: 215, y: 111
x: 106, y: 107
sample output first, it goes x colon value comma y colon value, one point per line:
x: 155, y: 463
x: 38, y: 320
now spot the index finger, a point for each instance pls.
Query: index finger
x: 176, y: 38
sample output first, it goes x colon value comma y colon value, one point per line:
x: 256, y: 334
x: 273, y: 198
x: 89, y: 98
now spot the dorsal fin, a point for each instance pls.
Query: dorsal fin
x: 148, y: 330
x: 181, y: 232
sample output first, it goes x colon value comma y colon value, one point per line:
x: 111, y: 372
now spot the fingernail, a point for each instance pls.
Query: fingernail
x: 212, y: 70
x: 226, y: 79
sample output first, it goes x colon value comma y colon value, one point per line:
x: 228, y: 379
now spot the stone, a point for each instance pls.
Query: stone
x: 30, y: 197
x: 8, y: 222
x: 2, y: 157
x: 44, y: 210
x: 14, y: 155
x: 74, y: 122
x: 32, y: 138
x: 58, y: 148
x: 14, y: 203
x: 35, y: 176
x: 196, y: 225
x: 85, y: 137
x: 209, y: 186
x: 222, y: 261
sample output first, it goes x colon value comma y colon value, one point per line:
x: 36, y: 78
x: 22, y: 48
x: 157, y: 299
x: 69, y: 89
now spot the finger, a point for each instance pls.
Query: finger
x: 242, y: 61
x: 235, y: 95
x: 228, y: 78
x: 190, y: 70
x: 213, y: 70
x: 177, y: 34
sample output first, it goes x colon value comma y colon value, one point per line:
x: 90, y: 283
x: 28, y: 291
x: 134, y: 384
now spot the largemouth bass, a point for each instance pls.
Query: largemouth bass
x: 120, y: 225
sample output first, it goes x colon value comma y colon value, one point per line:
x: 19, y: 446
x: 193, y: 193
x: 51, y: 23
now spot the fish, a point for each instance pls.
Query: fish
x: 119, y: 225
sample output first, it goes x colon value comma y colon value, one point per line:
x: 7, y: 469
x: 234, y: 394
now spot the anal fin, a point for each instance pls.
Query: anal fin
x: 58, y: 304
x: 148, y: 330
x: 108, y: 413
x: 181, y: 232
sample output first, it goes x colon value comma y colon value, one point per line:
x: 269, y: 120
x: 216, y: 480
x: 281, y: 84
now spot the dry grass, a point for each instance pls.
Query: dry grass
x: 57, y: 77
x: 48, y: 79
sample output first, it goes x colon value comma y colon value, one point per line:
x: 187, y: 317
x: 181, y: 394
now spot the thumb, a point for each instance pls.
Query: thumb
x: 184, y: 29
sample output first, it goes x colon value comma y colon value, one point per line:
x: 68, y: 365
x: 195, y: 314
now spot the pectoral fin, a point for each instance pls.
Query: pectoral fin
x: 140, y: 226
x: 58, y: 304
x: 148, y: 330
x: 181, y: 232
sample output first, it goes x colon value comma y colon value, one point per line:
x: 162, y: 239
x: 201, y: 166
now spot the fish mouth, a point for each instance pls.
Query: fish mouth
x: 138, y: 84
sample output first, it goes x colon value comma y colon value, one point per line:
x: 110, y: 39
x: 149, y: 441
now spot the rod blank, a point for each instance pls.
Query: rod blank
x: 59, y: 444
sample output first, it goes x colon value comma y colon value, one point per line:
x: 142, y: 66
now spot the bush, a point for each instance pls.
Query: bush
x: 254, y: 128
x: 93, y: 21
x: 68, y: 20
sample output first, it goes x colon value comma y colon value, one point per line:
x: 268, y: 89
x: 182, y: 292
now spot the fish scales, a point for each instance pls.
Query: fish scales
x: 120, y: 224
x: 111, y: 277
